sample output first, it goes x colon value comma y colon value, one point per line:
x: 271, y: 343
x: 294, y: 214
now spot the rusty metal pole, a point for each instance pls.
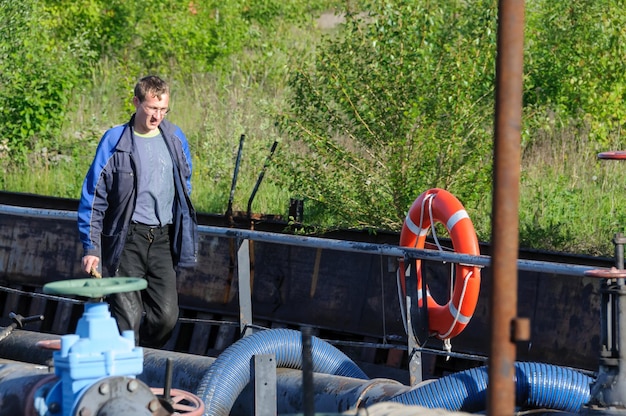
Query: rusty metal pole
x: 506, y: 176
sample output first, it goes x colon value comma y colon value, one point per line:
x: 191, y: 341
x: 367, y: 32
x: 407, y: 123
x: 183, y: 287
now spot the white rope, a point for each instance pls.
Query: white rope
x: 432, y: 221
x: 447, y: 343
x: 417, y: 231
x: 447, y: 346
x: 402, y: 300
x: 458, y: 310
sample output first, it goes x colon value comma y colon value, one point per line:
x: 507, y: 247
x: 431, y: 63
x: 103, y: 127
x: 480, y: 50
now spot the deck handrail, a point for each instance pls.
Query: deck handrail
x: 340, y: 245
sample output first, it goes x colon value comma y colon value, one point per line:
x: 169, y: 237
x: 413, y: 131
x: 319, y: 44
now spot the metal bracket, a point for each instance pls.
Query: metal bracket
x: 264, y: 375
x: 417, y: 322
x: 245, y: 288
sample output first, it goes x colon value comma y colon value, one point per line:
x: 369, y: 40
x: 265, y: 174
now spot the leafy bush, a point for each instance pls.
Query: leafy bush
x: 37, y: 77
x: 396, y: 100
x: 400, y: 102
x: 162, y: 36
x: 174, y: 38
x: 51, y: 49
x: 575, y: 65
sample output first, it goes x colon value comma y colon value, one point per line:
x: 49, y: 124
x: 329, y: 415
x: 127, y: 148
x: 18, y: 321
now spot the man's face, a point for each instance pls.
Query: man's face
x: 150, y: 112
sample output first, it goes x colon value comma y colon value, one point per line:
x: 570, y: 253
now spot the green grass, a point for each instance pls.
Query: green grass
x: 213, y: 110
x: 212, y: 114
x: 569, y: 200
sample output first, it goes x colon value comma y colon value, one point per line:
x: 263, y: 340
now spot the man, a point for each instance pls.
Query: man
x: 135, y: 215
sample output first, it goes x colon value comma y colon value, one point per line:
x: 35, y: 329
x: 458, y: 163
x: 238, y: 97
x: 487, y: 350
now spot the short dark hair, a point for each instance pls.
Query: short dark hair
x: 152, y: 85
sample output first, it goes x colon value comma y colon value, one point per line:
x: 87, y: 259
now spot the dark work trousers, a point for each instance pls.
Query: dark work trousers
x: 153, y: 312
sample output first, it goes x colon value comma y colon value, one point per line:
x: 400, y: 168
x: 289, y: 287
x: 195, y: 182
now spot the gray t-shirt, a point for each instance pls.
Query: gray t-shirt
x: 155, y: 184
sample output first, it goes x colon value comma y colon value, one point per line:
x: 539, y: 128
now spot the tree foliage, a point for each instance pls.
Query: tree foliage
x: 398, y: 99
x: 49, y: 49
x: 400, y: 102
x: 37, y: 76
x: 574, y: 63
x: 164, y: 36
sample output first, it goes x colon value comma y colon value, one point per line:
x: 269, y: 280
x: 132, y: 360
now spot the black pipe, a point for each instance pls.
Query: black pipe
x: 187, y: 370
x: 21, y: 346
x: 307, y: 372
x: 19, y: 383
x: 260, y: 178
x: 229, y: 210
x: 18, y: 322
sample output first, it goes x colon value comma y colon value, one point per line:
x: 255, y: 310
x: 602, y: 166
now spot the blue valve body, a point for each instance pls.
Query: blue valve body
x: 96, y: 351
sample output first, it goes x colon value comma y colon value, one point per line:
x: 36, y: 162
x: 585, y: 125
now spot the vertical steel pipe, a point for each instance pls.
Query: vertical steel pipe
x: 505, y: 217
x: 307, y: 372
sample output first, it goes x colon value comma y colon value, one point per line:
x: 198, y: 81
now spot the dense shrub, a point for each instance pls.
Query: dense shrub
x: 400, y: 102
x: 396, y: 100
x: 52, y: 49
x: 575, y: 65
x: 37, y: 77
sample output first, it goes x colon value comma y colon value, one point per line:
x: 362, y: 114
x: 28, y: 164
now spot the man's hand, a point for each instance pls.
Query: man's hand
x: 90, y: 265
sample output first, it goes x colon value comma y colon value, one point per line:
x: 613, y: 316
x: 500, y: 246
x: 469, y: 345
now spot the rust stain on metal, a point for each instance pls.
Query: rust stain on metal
x: 507, y: 132
x: 316, y: 271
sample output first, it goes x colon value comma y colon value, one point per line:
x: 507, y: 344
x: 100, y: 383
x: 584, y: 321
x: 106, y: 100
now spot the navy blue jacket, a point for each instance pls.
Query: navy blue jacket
x: 109, y: 194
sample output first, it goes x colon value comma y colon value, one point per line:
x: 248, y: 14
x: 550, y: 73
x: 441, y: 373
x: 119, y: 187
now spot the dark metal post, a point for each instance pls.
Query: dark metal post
x: 505, y: 217
x: 245, y: 289
x: 260, y: 178
x: 229, y: 210
x: 231, y: 221
x: 307, y: 372
x: 608, y: 391
x: 619, y: 240
x: 167, y: 388
x: 296, y: 210
x: 416, y: 321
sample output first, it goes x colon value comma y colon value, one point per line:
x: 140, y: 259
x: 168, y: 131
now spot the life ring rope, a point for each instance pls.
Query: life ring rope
x: 402, y: 299
x: 432, y: 222
x: 456, y: 312
x: 417, y: 229
x: 440, y: 206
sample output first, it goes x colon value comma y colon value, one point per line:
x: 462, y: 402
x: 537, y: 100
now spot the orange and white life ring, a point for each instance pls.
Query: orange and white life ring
x: 438, y: 205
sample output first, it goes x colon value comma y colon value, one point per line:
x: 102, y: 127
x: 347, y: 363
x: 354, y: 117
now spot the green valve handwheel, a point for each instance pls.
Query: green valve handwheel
x: 95, y: 288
